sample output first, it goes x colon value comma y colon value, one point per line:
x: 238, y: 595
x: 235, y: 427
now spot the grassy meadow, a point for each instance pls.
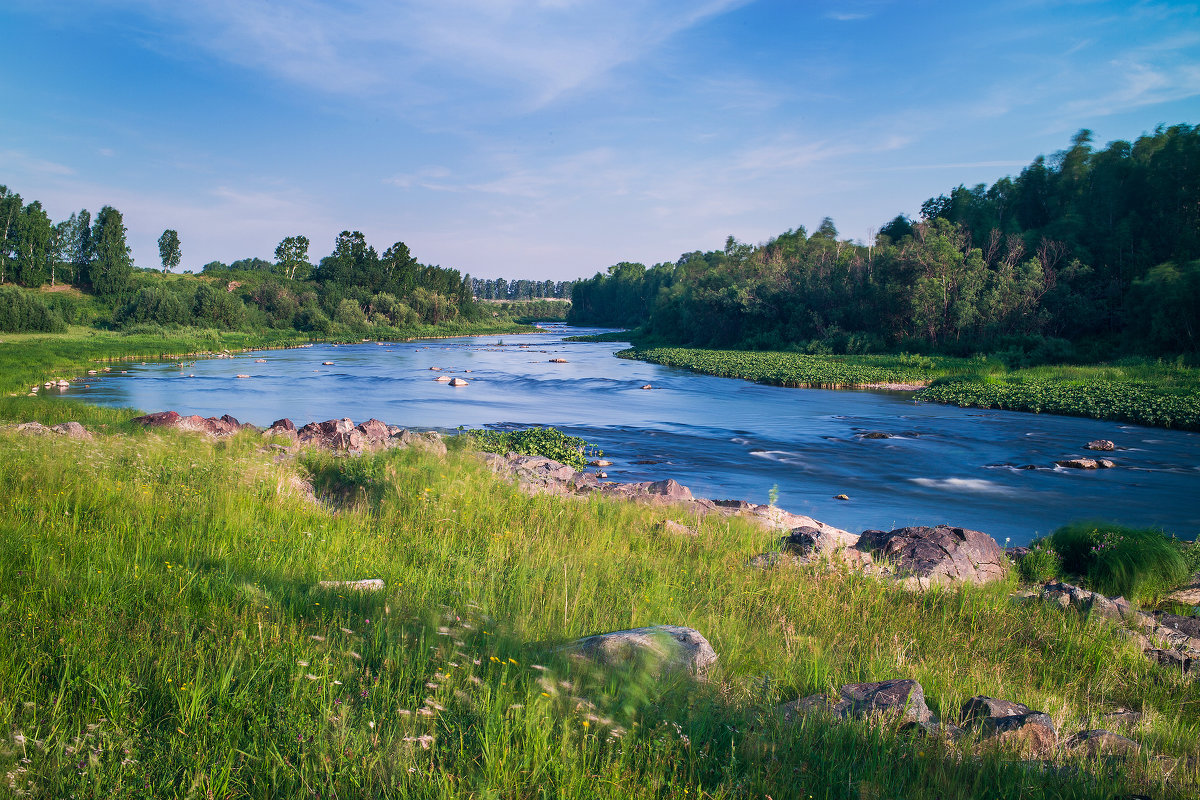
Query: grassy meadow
x: 165, y: 635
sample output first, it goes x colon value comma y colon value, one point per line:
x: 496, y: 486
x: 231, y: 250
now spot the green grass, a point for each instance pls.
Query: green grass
x: 1142, y: 564
x: 1155, y: 394
x: 164, y: 635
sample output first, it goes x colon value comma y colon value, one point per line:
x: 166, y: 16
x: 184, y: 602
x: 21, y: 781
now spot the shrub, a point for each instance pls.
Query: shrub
x: 548, y: 442
x: 22, y: 312
x: 1041, y: 564
x: 1139, y: 563
x: 155, y: 305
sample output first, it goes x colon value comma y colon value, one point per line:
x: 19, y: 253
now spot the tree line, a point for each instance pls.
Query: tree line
x: 501, y: 289
x: 1086, y: 254
x: 353, y: 289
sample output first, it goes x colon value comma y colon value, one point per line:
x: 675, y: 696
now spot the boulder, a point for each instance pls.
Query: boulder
x: 813, y: 542
x: 458, y: 382
x: 282, y: 424
x: 443, y: 379
x: 32, y: 428
x: 332, y: 433
x: 1101, y: 743
x: 1012, y: 725
x: 373, y: 431
x: 647, y: 386
x: 558, y: 361
x: 72, y: 430
x: 667, y: 649
x: 210, y: 426
x: 902, y: 698
x: 939, y: 554
x: 1100, y: 444
x: 1078, y: 463
x: 874, y: 435
x: 1066, y: 595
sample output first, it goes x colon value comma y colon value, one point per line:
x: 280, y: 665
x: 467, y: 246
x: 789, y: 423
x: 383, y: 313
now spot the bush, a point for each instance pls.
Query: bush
x: 22, y: 312
x: 548, y: 442
x: 155, y: 305
x: 1139, y: 563
x: 1041, y: 564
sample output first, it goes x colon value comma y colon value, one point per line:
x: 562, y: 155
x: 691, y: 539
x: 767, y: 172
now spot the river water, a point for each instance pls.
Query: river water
x: 724, y: 438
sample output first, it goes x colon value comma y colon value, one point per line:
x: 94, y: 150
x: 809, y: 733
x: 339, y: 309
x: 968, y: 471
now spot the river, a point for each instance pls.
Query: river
x: 723, y: 438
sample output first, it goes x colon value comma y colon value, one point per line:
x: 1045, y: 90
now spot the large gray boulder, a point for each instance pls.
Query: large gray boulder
x: 940, y: 554
x: 666, y: 649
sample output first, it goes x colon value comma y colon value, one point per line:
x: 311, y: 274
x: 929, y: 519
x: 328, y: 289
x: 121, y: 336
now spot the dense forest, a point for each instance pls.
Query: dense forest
x: 1084, y: 255
x: 353, y: 290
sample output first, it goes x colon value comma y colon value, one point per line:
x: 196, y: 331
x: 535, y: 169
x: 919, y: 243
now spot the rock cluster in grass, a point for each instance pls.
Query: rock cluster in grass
x: 1167, y: 639
x: 72, y: 430
x: 1002, y: 724
x: 340, y: 435
x: 919, y: 557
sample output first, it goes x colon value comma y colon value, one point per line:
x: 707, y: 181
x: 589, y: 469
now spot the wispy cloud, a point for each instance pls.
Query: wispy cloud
x: 534, y: 52
x: 17, y: 161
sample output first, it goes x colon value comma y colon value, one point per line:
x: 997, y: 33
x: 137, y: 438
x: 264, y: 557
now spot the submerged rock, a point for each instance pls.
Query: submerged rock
x: 1100, y: 444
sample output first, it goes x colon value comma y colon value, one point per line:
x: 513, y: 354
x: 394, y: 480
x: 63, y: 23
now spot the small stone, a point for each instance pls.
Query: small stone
x: 458, y: 382
x: 647, y: 386
x: 443, y: 379
x: 1100, y: 444
x: 243, y: 376
x: 841, y: 497
x: 326, y: 363
x: 558, y: 361
x: 367, y: 585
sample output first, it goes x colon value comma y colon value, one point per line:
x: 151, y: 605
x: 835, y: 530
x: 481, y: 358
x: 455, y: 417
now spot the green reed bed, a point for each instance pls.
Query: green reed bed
x: 165, y: 635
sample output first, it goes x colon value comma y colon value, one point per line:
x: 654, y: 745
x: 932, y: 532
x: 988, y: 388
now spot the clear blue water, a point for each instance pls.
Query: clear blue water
x: 723, y: 438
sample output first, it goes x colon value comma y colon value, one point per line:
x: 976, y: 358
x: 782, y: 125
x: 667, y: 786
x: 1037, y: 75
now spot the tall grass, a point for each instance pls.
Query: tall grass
x: 165, y: 635
x: 1139, y: 563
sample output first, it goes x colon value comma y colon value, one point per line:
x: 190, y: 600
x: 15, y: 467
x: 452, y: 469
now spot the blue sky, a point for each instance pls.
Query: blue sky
x: 551, y: 138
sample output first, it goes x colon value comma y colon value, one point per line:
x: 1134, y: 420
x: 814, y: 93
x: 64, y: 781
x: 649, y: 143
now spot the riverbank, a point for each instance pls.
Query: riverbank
x: 31, y: 359
x: 1156, y: 395
x: 181, y: 576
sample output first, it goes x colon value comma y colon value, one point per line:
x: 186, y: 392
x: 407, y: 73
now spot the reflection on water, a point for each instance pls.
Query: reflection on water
x: 990, y: 470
